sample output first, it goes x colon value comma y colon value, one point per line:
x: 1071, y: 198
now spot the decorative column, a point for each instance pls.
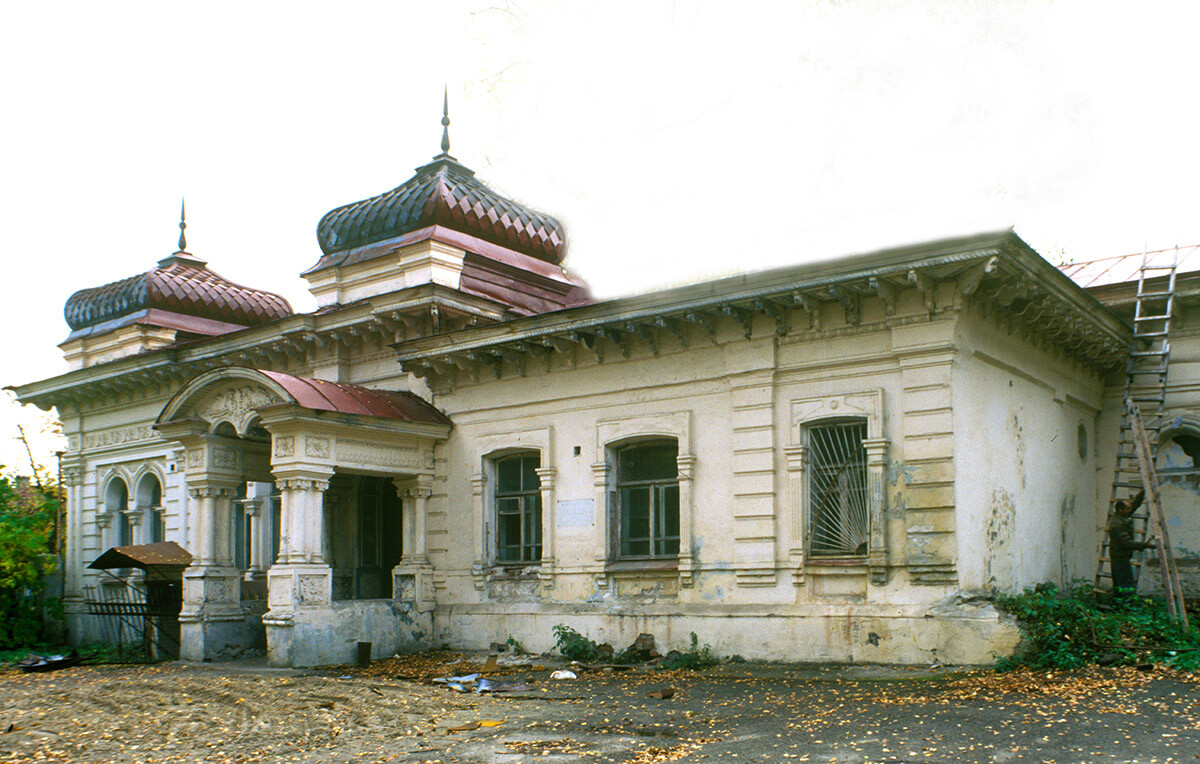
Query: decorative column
x: 72, y: 532
x: 211, y: 617
x: 479, y: 537
x: 412, y: 578
x: 133, y: 516
x: 301, y: 580
x: 686, y: 464
x: 877, y: 552
x: 546, y: 482
x: 253, y: 509
x: 797, y: 460
x: 600, y: 543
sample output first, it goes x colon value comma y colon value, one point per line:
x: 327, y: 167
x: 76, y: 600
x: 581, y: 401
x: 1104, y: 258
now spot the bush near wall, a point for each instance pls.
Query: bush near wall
x: 1070, y: 629
x: 26, y: 555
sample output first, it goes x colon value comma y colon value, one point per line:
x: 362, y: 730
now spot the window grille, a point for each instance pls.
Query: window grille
x: 839, y: 522
x: 518, y: 509
x: 647, y: 498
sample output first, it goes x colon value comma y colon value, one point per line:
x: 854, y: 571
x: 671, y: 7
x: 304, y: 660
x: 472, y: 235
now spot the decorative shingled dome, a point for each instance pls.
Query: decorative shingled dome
x: 180, y: 284
x: 447, y: 194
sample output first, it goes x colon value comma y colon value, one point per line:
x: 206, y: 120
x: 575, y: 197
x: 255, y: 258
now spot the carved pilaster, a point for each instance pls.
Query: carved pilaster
x: 600, y: 542
x: 546, y: 481
x: 686, y: 464
x: 877, y: 551
x: 479, y: 537
x: 797, y: 461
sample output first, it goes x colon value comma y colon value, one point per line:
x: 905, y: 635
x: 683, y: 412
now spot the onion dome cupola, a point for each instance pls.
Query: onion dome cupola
x: 179, y: 299
x: 444, y: 193
x: 443, y: 226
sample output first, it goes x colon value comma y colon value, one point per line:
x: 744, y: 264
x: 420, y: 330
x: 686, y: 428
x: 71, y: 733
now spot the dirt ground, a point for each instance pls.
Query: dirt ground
x: 731, y: 713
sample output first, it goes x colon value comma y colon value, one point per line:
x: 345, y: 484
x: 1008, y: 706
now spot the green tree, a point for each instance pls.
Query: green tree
x: 27, y: 514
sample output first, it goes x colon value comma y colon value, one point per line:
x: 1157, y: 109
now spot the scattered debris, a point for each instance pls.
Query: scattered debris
x: 49, y: 662
x: 664, y: 693
x: 467, y: 727
x: 564, y: 674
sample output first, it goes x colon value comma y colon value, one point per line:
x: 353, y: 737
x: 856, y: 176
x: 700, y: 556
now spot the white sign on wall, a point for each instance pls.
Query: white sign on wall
x: 579, y: 513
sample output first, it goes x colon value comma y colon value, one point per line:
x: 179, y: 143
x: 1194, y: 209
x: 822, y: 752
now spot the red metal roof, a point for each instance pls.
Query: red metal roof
x: 164, y: 554
x: 181, y: 284
x: 322, y: 395
x: 1124, y: 268
x: 448, y: 194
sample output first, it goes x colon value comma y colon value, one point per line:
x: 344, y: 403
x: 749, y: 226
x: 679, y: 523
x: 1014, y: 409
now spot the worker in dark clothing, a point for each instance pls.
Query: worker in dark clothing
x: 1121, y: 545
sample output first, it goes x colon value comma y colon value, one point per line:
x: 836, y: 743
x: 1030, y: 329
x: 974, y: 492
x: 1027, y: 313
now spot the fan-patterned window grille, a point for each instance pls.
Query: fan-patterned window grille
x: 838, y: 515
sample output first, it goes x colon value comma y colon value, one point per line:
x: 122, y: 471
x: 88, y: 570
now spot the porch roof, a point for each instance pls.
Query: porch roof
x: 322, y: 395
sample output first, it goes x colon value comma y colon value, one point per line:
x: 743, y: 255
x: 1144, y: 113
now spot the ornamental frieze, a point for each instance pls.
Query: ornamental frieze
x: 384, y: 456
x: 234, y: 404
x: 119, y: 436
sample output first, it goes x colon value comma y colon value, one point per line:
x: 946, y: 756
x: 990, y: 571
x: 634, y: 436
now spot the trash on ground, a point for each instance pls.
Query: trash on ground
x: 663, y: 693
x: 489, y: 666
x: 465, y: 679
x: 463, y: 727
x: 515, y: 660
x: 564, y: 674
x: 490, y: 722
x: 49, y: 662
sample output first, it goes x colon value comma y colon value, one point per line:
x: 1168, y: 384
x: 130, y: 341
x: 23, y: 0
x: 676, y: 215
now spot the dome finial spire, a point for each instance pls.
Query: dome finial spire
x: 445, y: 120
x: 182, y: 225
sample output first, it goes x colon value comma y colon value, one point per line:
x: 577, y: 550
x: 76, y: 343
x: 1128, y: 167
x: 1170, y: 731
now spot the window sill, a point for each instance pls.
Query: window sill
x: 642, y: 566
x: 837, y: 562
x: 514, y: 571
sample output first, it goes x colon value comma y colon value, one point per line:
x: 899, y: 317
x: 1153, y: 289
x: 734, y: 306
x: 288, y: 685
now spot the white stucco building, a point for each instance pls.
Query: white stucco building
x: 833, y: 461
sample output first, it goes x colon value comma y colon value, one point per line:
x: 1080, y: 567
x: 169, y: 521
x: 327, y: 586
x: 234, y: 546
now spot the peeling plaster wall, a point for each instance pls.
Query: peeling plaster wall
x: 1026, y: 463
x: 1180, y: 493
x: 744, y: 597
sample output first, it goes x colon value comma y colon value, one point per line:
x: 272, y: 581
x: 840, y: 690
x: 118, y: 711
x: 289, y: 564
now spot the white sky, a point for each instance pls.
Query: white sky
x: 676, y: 140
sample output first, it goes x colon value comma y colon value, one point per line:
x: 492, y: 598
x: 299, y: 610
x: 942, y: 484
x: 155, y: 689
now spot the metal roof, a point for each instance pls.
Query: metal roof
x: 322, y: 395
x: 183, y: 285
x: 1121, y: 269
x: 443, y: 193
x: 165, y: 554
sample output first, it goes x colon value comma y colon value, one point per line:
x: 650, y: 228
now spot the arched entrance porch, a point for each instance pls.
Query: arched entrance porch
x: 304, y: 436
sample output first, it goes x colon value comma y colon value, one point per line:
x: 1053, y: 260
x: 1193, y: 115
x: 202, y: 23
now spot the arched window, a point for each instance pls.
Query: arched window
x: 149, y: 505
x: 116, y: 501
x: 647, y: 499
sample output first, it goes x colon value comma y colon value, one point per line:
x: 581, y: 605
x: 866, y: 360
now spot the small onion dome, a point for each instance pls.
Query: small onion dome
x: 181, y: 284
x: 447, y: 194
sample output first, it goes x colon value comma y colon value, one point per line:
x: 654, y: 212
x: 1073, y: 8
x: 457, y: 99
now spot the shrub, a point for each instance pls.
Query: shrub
x: 1069, y: 630
x: 26, y: 526
x: 694, y: 659
x: 574, y: 646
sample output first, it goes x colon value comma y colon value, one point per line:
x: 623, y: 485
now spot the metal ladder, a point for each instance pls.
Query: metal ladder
x: 1145, y: 389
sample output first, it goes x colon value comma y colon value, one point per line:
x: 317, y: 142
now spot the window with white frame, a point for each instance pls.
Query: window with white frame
x: 518, y: 508
x: 838, y: 498
x: 645, y: 498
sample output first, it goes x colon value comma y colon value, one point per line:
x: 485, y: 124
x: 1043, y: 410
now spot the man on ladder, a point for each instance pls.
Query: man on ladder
x: 1121, y: 546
